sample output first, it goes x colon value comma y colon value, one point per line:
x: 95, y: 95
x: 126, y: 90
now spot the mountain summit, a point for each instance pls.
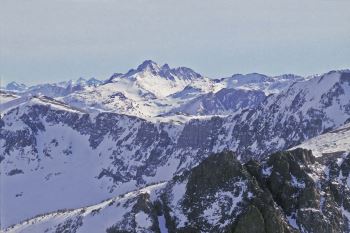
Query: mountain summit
x: 149, y: 67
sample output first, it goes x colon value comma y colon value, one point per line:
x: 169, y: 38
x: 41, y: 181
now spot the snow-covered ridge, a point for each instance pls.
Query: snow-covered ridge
x: 6, y: 96
x: 29, y: 100
x: 94, y: 218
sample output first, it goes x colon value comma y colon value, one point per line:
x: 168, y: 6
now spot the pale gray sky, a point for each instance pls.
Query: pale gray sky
x: 51, y: 40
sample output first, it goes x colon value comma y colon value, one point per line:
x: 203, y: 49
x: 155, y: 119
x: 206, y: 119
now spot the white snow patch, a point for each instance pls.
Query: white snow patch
x: 162, y: 224
x: 267, y: 171
x: 296, y: 183
x: 143, y: 221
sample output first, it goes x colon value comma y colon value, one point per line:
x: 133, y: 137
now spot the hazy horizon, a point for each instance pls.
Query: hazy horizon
x: 51, y: 41
x: 160, y: 64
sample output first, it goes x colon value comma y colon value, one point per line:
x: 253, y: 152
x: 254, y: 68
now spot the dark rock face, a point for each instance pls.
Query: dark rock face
x: 285, y: 193
x: 235, y: 199
x: 212, y: 176
x: 251, y: 221
x: 301, y: 188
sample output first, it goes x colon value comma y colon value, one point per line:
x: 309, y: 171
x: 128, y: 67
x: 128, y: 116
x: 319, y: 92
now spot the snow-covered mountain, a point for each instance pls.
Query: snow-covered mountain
x: 304, y: 110
x: 54, y: 89
x: 147, y: 91
x: 51, y: 147
x: 152, y: 91
x: 14, y: 86
x: 63, y: 88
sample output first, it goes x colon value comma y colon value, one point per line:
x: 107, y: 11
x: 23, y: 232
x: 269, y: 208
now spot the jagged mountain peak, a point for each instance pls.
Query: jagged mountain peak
x: 165, y: 67
x: 148, y: 65
x: 186, y: 73
x: 164, y: 71
x: 114, y: 76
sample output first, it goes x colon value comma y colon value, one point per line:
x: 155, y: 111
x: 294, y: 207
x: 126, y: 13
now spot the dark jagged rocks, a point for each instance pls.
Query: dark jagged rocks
x: 285, y: 193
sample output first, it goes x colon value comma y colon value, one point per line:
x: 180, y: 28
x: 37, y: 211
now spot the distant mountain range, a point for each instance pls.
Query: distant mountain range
x: 152, y: 91
x: 53, y: 89
x: 150, y: 151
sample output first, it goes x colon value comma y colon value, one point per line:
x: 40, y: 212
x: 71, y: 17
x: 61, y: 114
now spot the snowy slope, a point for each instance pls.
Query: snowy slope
x: 49, y: 147
x: 334, y: 142
x: 99, y: 217
x: 6, y: 96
